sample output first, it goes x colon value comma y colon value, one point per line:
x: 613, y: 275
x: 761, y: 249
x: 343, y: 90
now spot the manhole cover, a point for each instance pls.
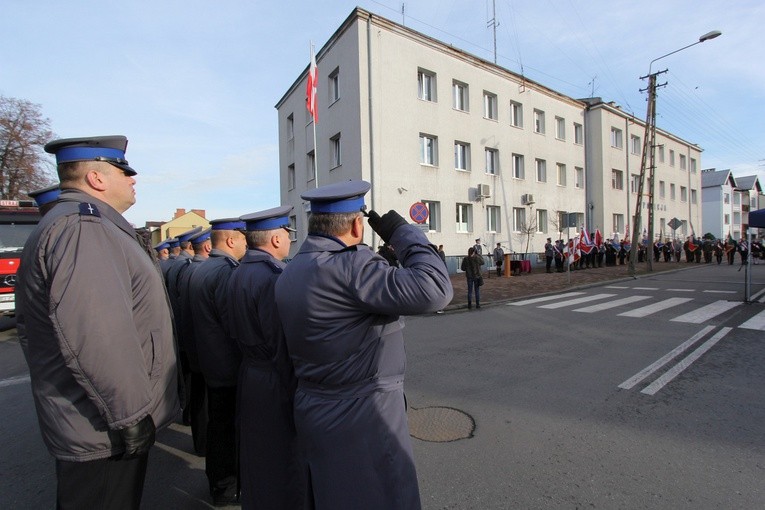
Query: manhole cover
x: 440, y: 424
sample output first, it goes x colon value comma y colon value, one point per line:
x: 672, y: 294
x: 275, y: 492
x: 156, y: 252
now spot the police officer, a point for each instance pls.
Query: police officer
x: 195, y: 409
x: 340, y: 306
x: 269, y: 473
x: 218, y: 355
x: 163, y: 251
x: 99, y: 335
x: 173, y: 249
x: 45, y: 198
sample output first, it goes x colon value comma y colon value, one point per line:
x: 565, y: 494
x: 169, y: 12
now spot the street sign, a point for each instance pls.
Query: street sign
x: 418, y: 212
x: 674, y: 223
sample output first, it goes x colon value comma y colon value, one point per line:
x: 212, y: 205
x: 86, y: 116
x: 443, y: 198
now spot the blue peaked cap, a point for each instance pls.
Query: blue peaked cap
x: 340, y: 197
x: 46, y: 195
x: 200, y: 237
x: 270, y: 219
x: 227, y: 224
x: 110, y: 149
x: 186, y: 236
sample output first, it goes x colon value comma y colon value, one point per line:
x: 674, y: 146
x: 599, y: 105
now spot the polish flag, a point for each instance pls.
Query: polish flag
x: 598, y: 237
x: 310, y: 90
x: 585, y: 244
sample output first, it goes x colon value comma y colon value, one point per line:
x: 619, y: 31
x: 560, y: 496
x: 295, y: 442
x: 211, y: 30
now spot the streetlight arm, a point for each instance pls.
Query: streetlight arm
x: 705, y: 37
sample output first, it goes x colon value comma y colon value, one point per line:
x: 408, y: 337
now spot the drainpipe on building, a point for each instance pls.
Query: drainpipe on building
x: 371, y: 124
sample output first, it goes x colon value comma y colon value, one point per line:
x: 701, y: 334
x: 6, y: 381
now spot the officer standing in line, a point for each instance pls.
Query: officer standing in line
x: 98, y: 330
x: 45, y: 198
x: 219, y: 356
x: 163, y: 251
x: 340, y: 306
x: 173, y: 249
x: 195, y: 409
x: 269, y: 472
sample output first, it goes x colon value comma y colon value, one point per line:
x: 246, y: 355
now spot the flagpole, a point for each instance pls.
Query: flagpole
x: 313, y: 119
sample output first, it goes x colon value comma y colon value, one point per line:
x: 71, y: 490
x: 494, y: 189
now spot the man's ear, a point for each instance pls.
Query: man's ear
x: 357, y: 227
x: 95, y: 180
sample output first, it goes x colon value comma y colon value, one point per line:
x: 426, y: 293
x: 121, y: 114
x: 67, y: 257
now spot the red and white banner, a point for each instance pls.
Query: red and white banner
x: 310, y: 90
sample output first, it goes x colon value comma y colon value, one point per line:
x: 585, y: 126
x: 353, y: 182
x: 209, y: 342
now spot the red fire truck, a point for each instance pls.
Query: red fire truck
x: 17, y: 220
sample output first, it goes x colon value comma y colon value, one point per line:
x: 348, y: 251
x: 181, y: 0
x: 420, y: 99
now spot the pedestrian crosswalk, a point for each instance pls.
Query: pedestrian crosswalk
x: 643, y: 305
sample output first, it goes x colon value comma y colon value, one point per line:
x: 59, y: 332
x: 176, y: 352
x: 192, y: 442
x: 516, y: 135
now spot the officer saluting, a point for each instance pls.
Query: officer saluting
x: 269, y: 472
x: 339, y: 304
x: 99, y: 336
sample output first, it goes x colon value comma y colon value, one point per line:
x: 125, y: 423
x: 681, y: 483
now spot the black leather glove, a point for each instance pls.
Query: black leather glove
x: 386, y: 224
x: 138, y: 438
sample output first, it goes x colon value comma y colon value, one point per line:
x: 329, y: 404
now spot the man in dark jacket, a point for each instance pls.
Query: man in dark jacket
x: 217, y: 354
x: 98, y: 335
x: 269, y: 466
x: 340, y: 306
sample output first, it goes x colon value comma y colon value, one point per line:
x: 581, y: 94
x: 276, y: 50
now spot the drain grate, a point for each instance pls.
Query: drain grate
x: 440, y: 424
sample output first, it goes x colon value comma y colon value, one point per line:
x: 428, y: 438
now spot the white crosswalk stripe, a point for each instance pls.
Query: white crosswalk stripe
x: 611, y: 304
x: 706, y: 312
x: 544, y: 298
x: 757, y: 322
x: 577, y: 301
x: 655, y: 307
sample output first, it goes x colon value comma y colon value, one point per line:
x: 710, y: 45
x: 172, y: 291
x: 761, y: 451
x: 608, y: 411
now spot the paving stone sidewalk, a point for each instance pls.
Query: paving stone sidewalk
x: 503, y: 289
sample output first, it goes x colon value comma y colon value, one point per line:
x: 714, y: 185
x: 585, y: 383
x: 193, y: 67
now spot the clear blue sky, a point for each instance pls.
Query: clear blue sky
x: 193, y: 84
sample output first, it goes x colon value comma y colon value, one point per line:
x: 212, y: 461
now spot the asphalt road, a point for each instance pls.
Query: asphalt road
x: 562, y: 416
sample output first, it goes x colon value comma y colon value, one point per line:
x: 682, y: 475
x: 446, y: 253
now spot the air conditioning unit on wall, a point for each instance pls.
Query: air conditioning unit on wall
x: 527, y: 199
x: 484, y: 190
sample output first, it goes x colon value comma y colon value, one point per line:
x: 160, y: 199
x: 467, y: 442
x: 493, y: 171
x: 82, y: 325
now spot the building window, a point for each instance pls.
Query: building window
x: 579, y: 177
x: 671, y: 157
x: 662, y: 226
x: 541, y: 167
x: 693, y: 196
x: 464, y: 218
x: 542, y: 220
x: 662, y: 192
x: 693, y: 166
x: 291, y: 176
x: 493, y: 219
x: 617, y: 179
x: 461, y: 156
x: 560, y: 128
x: 290, y: 126
x: 310, y: 166
x: 490, y: 106
x: 737, y: 218
x: 661, y: 154
x: 682, y: 162
x: 683, y: 194
x: 293, y: 226
x: 672, y: 191
x: 539, y: 121
x: 727, y: 219
x: 519, y: 219
x: 578, y: 134
x: 334, y: 85
x: 516, y: 114
x: 561, y: 174
x: 460, y: 96
x: 635, y: 142
x: 434, y: 215
x: 726, y: 198
x: 492, y: 161
x: 428, y: 150
x: 618, y: 222
x: 334, y: 152
x: 616, y: 138
x: 518, y: 171
x: 426, y: 85
x: 635, y: 183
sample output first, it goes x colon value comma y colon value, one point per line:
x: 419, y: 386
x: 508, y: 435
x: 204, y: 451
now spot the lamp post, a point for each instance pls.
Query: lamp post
x: 647, y: 160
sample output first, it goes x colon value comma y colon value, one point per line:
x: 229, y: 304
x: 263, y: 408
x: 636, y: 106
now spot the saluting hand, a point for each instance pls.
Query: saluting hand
x: 386, y: 224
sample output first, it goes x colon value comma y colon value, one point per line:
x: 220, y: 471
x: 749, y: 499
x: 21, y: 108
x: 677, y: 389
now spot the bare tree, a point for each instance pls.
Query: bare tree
x: 526, y: 232
x: 23, y: 132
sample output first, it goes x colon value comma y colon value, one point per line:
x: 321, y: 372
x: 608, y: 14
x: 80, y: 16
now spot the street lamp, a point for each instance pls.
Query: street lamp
x: 649, y: 144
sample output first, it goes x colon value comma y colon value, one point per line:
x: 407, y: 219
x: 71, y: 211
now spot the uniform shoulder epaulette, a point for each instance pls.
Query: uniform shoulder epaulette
x: 274, y: 266
x: 231, y: 262
x: 88, y: 209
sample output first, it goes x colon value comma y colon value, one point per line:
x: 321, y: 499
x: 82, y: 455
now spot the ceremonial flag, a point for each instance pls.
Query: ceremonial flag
x: 310, y: 90
x: 627, y: 233
x: 585, y: 245
x: 691, y: 245
x: 598, y: 237
x: 572, y: 251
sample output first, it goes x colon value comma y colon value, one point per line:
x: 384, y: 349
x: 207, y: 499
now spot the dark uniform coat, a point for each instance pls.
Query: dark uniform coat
x: 99, y: 337
x: 340, y: 308
x: 269, y: 474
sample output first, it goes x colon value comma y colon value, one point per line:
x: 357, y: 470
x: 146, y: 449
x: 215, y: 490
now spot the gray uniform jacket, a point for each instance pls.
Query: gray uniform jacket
x: 99, y: 337
x: 184, y: 324
x: 219, y: 356
x: 340, y: 307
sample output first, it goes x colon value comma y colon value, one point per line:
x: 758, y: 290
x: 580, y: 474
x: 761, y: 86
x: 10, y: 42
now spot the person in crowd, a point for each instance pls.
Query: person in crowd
x: 344, y: 336
x: 442, y: 253
x: 98, y: 330
x: 559, y: 248
x: 386, y: 252
x: 471, y: 265
x: 218, y: 355
x: 719, y: 249
x: 549, y: 254
x: 163, y: 251
x: 743, y: 250
x: 478, y: 247
x: 499, y: 258
x: 45, y: 198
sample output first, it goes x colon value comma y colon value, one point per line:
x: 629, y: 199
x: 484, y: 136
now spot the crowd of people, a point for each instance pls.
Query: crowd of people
x: 290, y: 376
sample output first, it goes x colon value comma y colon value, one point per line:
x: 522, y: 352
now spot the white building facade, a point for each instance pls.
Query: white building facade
x: 493, y: 155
